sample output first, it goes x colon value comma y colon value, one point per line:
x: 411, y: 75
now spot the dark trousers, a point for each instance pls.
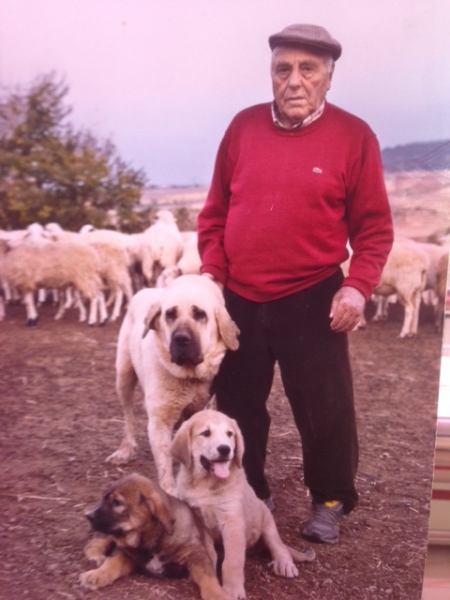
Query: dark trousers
x: 316, y: 374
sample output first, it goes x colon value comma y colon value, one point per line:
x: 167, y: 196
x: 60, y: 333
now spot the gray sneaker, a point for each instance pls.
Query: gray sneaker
x: 323, y: 527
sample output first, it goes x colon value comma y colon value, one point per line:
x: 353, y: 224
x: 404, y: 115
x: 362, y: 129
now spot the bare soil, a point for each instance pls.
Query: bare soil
x: 60, y: 419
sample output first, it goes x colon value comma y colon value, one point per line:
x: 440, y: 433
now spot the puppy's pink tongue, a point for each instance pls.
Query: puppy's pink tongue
x: 221, y: 469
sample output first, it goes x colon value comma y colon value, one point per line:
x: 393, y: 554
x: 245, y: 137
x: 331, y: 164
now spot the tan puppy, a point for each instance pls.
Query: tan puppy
x: 149, y: 531
x: 209, y: 447
x: 172, y: 340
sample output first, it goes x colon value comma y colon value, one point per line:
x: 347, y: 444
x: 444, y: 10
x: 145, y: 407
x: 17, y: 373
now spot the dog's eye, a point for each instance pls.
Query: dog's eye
x: 229, y: 433
x: 171, y: 314
x: 116, y: 503
x: 206, y: 433
x: 198, y: 314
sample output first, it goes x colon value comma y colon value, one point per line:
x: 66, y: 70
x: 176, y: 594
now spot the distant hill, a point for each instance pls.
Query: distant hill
x: 426, y: 156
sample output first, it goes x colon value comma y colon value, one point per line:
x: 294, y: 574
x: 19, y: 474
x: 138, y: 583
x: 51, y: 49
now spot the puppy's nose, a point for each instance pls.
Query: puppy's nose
x: 224, y: 450
x: 91, y: 515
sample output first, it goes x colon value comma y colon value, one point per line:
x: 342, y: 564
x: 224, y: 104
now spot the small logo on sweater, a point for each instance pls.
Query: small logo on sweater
x: 317, y: 170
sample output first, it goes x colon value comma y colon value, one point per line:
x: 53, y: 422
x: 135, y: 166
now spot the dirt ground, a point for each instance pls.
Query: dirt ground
x: 60, y: 419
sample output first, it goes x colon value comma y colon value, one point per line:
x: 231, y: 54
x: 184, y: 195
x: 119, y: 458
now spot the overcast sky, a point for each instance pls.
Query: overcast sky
x: 163, y: 78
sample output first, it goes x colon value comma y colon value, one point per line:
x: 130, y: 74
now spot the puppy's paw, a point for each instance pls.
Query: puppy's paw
x: 95, y: 579
x: 97, y: 549
x: 284, y: 568
x: 234, y: 592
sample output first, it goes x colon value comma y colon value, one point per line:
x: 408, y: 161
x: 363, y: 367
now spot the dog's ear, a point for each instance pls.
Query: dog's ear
x: 152, y: 319
x: 154, y: 498
x: 180, y: 448
x: 239, y: 450
x: 227, y: 328
x: 160, y: 510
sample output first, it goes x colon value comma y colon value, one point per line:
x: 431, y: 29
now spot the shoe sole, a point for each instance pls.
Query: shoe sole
x: 317, y: 540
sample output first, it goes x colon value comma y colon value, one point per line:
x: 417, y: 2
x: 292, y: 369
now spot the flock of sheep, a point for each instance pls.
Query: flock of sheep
x: 91, y: 265
x: 96, y: 264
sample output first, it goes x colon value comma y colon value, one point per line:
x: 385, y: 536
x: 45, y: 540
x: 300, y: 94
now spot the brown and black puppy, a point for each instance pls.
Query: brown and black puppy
x: 146, y: 530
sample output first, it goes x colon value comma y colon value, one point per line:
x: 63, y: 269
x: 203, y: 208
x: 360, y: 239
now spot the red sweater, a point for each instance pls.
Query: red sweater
x: 284, y: 203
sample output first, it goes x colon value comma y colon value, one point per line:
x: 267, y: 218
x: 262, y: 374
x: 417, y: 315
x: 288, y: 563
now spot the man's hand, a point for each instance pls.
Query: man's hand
x: 347, y: 309
x: 216, y: 281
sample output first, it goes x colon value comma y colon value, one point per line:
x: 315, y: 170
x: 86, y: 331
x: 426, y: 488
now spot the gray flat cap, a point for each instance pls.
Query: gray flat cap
x: 313, y: 36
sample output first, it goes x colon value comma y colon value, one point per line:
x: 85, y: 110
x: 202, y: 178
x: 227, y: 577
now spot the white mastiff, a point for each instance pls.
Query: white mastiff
x: 172, y: 341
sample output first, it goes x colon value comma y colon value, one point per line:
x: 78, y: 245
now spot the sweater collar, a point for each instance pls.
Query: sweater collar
x: 309, y: 119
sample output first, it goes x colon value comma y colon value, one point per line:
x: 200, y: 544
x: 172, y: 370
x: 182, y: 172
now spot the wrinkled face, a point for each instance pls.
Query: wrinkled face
x: 187, y: 328
x: 191, y: 322
x: 300, y: 81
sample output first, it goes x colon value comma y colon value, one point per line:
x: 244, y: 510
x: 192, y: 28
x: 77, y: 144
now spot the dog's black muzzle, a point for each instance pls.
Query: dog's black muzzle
x: 100, y: 520
x: 184, y: 348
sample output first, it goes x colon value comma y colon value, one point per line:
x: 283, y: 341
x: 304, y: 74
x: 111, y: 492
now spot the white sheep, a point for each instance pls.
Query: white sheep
x: 137, y: 246
x: 105, y: 236
x: 404, y: 274
x: 55, y: 265
x: 162, y: 246
x: 114, y: 261
x: 158, y: 247
x: 189, y: 263
x: 33, y: 234
x: 440, y: 289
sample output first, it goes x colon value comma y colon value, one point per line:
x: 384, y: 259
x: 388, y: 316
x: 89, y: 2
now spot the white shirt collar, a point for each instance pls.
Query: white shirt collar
x: 309, y: 119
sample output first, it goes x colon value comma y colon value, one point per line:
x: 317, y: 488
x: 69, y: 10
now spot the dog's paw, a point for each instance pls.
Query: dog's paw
x: 122, y: 455
x: 169, y: 487
x: 234, y: 592
x: 97, y: 549
x: 284, y: 568
x: 98, y: 559
x: 95, y: 579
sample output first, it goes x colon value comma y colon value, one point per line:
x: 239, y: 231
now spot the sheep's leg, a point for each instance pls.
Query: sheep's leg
x: 117, y: 304
x: 101, y: 307
x: 62, y: 308
x: 69, y: 294
x: 41, y: 296
x: 416, y: 311
x: 408, y: 319
x: 32, y: 316
x: 381, y: 312
x: 81, y: 307
x: 93, y: 306
x: 377, y: 315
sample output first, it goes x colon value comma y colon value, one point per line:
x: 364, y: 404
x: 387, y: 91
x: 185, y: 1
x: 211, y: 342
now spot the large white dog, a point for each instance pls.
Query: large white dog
x: 172, y: 341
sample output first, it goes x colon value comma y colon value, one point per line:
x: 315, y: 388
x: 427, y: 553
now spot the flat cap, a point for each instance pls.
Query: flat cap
x: 313, y: 36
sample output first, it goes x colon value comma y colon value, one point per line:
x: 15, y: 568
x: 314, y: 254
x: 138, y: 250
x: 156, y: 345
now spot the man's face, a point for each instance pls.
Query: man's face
x: 300, y: 81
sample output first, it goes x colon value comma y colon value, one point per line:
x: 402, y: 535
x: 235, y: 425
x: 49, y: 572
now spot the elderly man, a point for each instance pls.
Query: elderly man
x: 295, y: 180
